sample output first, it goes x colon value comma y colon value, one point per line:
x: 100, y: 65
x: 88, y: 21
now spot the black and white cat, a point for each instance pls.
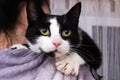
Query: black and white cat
x: 61, y: 35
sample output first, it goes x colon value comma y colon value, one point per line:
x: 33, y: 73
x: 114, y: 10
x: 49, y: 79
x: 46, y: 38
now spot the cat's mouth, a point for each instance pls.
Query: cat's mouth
x: 54, y: 51
x: 57, y: 51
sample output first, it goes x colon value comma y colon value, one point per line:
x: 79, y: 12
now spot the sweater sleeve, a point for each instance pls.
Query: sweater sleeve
x: 24, y: 64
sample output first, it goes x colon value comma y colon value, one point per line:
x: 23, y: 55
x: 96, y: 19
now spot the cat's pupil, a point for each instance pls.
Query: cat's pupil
x: 66, y: 33
x: 44, y: 31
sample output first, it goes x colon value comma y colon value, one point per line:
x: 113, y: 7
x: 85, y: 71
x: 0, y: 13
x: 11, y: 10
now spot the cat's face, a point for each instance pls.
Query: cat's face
x: 55, y: 33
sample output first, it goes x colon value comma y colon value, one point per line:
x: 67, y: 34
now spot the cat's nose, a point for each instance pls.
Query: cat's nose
x: 56, y: 44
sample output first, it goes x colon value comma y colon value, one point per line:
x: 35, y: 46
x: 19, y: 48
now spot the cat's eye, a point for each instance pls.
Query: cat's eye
x: 66, y: 33
x: 44, y: 31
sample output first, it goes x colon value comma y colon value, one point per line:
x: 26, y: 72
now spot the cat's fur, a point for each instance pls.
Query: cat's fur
x: 70, y: 51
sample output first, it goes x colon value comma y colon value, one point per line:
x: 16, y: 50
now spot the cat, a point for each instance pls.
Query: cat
x: 61, y: 35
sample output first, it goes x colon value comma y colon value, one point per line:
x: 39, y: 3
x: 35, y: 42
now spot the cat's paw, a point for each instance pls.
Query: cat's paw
x: 18, y: 46
x: 69, y: 64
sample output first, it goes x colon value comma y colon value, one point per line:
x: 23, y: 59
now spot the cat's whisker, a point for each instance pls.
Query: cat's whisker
x: 80, y: 51
x: 92, y: 58
x: 83, y: 53
x: 49, y: 32
x: 86, y: 45
x: 85, y: 50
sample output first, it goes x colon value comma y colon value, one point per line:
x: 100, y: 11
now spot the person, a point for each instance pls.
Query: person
x: 24, y: 64
x: 13, y: 21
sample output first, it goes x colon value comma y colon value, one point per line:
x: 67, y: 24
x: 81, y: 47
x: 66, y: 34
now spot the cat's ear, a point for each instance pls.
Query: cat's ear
x: 35, y: 9
x: 74, y: 13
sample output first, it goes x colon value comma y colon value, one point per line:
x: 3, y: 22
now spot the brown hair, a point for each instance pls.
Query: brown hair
x: 9, y: 12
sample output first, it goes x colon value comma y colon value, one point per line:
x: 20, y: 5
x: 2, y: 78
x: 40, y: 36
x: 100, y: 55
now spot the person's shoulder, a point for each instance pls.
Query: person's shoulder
x: 13, y: 52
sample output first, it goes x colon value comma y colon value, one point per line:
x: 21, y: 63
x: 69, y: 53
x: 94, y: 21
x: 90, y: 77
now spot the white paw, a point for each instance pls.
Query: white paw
x: 18, y: 46
x: 69, y: 64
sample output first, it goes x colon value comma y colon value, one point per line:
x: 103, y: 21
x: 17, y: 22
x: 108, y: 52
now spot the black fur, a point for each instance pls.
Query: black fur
x: 9, y: 12
x: 80, y: 41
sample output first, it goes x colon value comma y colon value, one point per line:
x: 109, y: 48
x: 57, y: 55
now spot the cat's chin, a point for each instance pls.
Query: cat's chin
x: 58, y: 54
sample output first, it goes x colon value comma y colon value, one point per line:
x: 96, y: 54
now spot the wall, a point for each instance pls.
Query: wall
x: 94, y: 12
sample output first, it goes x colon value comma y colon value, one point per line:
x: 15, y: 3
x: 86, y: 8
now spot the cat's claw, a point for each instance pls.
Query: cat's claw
x: 67, y: 67
x: 64, y: 66
x: 76, y: 70
x: 69, y: 64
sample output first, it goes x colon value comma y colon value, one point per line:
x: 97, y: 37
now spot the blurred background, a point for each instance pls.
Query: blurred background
x: 101, y: 20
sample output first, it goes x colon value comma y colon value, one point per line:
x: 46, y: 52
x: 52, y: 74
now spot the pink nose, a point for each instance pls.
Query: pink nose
x: 56, y: 44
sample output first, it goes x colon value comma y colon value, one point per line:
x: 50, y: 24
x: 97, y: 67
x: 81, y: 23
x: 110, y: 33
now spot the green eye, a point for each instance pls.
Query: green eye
x: 44, y: 31
x: 66, y: 33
